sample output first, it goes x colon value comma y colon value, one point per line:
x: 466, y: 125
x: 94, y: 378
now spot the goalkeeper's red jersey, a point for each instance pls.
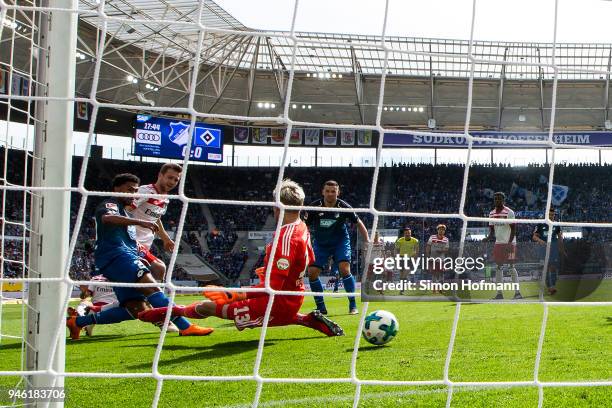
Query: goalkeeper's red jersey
x: 293, y: 255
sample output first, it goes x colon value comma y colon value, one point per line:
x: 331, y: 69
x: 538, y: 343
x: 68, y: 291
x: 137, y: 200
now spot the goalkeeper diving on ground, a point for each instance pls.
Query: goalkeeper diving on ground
x: 289, y: 264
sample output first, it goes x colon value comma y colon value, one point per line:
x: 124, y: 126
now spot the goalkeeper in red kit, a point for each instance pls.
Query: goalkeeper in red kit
x: 289, y: 264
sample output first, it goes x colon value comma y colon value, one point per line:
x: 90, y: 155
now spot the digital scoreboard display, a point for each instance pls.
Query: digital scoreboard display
x: 167, y: 138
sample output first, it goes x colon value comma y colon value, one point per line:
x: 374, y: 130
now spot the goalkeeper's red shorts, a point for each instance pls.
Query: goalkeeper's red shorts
x: 250, y: 313
x: 504, y: 253
x: 145, y: 253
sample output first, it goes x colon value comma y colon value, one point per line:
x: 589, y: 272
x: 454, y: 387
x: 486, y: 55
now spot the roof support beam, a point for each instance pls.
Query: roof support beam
x: 223, y: 82
x: 252, y: 76
x: 432, y: 87
x: 541, y: 86
x: 359, y: 84
x: 279, y: 70
x: 500, y: 93
x: 215, y: 67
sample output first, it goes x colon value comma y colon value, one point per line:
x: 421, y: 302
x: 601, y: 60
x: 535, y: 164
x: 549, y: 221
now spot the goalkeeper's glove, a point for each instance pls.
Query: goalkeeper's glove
x: 223, y: 297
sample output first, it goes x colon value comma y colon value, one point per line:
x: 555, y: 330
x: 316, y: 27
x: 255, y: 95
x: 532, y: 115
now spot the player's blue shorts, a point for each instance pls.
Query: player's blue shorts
x: 125, y: 269
x: 341, y: 252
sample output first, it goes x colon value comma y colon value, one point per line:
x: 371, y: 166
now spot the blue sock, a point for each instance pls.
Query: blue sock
x: 110, y: 316
x: 349, y: 287
x: 317, y: 286
x: 158, y: 299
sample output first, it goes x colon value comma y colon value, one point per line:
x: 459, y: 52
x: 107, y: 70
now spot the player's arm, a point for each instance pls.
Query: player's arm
x: 363, y: 230
x: 161, y: 233
x: 491, y: 235
x: 120, y: 220
x: 512, y: 233
x: 536, y: 237
x: 354, y: 218
x: 512, y: 227
x: 428, y: 248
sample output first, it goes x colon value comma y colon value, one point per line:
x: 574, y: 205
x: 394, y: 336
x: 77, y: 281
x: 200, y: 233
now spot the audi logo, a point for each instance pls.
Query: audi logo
x: 148, y: 136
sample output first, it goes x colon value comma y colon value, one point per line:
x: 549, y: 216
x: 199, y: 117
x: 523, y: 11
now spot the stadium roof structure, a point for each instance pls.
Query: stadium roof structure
x: 150, y: 48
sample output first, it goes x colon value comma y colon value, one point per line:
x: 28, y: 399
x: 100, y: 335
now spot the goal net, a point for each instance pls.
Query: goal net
x: 47, y: 199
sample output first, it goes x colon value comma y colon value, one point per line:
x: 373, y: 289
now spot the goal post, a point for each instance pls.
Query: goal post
x: 50, y: 213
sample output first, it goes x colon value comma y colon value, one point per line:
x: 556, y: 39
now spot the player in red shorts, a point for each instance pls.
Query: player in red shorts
x: 289, y: 264
x: 504, y: 251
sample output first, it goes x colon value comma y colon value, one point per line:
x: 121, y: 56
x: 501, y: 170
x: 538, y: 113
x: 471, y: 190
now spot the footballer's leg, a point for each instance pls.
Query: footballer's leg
x: 342, y: 255
x: 157, y: 299
x: 321, y: 254
x: 316, y: 286
x: 316, y: 321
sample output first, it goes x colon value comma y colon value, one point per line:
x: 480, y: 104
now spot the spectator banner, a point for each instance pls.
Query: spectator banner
x: 499, y: 139
x: 329, y: 137
x: 347, y: 137
x: 364, y: 137
x: 241, y: 134
x: 296, y: 137
x: 277, y: 136
x: 260, y: 135
x: 82, y: 111
x: 311, y: 137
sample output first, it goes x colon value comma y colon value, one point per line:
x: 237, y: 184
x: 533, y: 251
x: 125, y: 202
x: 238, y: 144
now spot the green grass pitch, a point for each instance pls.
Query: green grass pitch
x: 493, y: 343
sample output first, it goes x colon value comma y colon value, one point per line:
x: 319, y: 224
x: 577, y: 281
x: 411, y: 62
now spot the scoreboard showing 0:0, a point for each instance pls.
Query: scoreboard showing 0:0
x: 167, y: 138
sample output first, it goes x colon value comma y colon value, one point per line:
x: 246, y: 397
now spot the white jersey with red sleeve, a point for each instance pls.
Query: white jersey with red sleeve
x: 502, y: 231
x: 439, y: 246
x: 101, y: 294
x: 293, y: 255
x: 148, y: 209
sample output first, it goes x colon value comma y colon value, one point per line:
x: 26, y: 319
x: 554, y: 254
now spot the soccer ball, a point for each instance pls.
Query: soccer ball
x: 380, y: 327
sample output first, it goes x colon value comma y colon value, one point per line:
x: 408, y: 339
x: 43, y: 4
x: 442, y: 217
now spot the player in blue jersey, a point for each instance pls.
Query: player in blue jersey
x: 331, y: 239
x: 557, y: 250
x: 116, y: 257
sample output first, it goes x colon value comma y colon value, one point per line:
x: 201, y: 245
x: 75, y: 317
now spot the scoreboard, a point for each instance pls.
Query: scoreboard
x: 167, y: 138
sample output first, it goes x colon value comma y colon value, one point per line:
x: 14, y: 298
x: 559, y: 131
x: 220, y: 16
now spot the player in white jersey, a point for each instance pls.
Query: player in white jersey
x: 153, y: 209
x: 102, y: 298
x: 436, y: 250
x: 504, y: 251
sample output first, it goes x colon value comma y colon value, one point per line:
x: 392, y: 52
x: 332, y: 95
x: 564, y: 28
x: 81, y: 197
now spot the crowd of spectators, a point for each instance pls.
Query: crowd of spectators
x: 414, y: 188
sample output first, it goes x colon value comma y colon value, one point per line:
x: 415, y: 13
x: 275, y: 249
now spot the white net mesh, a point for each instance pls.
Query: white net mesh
x: 21, y: 26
